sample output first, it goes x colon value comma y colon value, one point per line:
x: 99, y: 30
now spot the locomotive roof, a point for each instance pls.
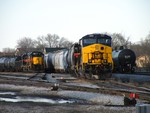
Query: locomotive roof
x: 96, y: 34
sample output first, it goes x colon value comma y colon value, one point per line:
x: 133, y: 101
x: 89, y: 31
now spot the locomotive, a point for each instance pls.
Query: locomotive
x: 91, y: 56
x: 96, y: 55
x: 32, y: 61
x: 124, y: 60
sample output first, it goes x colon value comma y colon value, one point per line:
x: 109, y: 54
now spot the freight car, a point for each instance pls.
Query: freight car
x: 10, y: 63
x: 63, y: 61
x: 124, y: 60
x: 15, y: 64
x: 3, y: 63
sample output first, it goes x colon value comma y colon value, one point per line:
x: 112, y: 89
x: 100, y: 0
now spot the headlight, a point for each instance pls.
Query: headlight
x: 105, y: 61
x: 97, y: 47
x: 90, y: 61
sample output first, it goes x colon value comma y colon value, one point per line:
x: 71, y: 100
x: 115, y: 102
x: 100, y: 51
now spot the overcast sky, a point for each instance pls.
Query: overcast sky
x: 72, y: 19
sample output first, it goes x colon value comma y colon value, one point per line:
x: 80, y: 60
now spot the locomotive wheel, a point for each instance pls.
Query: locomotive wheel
x: 102, y: 77
x: 105, y: 76
x: 108, y: 75
x: 75, y: 73
x: 81, y: 73
x: 88, y: 75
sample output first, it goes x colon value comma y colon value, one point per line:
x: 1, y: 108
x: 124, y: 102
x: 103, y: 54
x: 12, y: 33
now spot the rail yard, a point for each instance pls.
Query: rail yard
x: 87, y: 77
x: 44, y: 92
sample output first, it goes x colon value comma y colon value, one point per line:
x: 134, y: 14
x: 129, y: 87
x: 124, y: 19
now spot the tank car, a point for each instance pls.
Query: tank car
x: 5, y: 64
x: 10, y: 64
x: 2, y: 63
x: 64, y: 60
x: 73, y: 58
x: 96, y: 56
x: 15, y: 63
x: 124, y: 60
x: 59, y: 60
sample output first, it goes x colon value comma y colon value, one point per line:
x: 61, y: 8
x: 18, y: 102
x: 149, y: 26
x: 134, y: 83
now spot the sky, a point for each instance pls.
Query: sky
x: 72, y: 19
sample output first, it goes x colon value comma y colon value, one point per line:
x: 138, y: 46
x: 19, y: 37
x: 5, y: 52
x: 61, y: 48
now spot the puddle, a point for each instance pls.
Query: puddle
x: 37, y: 99
x: 14, y: 98
x: 7, y: 93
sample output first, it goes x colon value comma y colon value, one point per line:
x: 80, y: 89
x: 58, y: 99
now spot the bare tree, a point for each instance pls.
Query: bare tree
x: 63, y: 42
x: 142, y: 50
x: 145, y: 45
x: 55, y: 40
x: 25, y: 44
x: 41, y: 42
x: 8, y: 52
x: 137, y: 48
x: 52, y: 40
x: 119, y: 40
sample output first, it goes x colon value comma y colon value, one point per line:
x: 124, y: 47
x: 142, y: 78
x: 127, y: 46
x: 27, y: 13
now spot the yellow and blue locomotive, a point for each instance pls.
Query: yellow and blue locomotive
x: 96, y: 56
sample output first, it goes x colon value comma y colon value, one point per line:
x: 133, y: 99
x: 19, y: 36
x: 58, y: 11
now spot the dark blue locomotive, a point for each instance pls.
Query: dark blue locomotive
x: 124, y: 60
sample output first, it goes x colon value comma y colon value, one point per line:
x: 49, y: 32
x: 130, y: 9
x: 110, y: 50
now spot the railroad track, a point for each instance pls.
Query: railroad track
x: 97, y: 86
x: 131, y: 77
x: 142, y: 73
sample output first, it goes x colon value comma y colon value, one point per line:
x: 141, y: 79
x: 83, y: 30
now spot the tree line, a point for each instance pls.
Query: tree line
x: 41, y: 42
x: 141, y: 48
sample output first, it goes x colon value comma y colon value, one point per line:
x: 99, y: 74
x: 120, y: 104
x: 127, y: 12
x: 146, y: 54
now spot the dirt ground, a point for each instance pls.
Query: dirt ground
x: 45, y: 108
x: 24, y: 87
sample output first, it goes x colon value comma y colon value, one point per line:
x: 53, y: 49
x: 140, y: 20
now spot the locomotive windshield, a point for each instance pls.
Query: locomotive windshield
x: 96, y: 39
x: 104, y: 41
x: 36, y: 54
x: 89, y: 41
